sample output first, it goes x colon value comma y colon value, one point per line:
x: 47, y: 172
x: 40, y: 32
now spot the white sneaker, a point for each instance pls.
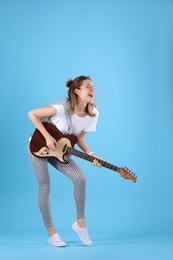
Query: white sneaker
x: 56, y: 240
x: 82, y: 233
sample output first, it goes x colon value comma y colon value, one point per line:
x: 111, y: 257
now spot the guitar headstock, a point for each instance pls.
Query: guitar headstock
x: 127, y: 174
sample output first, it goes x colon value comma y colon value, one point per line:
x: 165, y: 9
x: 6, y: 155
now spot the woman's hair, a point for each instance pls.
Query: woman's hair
x: 72, y: 96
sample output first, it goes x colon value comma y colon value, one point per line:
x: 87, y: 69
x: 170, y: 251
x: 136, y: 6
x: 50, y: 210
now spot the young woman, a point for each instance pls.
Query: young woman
x: 76, y: 115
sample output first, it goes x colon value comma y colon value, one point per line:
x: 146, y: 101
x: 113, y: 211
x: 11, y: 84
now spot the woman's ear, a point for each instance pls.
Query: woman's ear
x: 76, y: 91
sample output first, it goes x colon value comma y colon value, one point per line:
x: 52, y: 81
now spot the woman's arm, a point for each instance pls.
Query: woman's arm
x: 35, y: 115
x: 83, y: 145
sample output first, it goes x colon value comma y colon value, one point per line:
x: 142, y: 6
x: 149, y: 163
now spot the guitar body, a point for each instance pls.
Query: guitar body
x: 38, y: 143
x: 65, y: 144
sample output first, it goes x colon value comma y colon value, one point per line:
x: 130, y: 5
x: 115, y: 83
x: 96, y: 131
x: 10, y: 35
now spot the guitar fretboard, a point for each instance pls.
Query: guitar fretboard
x: 90, y: 158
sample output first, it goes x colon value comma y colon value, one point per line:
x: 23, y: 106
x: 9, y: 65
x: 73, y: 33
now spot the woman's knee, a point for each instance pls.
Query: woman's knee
x: 80, y: 179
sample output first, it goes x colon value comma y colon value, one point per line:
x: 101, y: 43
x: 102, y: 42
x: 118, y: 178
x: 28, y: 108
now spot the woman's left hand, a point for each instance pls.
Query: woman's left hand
x: 96, y: 162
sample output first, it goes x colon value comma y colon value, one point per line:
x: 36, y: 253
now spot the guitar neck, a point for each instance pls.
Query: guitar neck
x: 90, y: 158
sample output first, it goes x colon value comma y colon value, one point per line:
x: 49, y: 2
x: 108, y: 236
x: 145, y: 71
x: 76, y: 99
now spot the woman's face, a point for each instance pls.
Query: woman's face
x: 86, y: 91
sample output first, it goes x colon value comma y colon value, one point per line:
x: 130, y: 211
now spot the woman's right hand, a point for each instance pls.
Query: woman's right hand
x: 51, y: 143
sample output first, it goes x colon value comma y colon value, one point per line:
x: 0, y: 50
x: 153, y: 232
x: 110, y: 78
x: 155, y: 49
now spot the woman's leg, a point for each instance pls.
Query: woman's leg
x: 72, y: 171
x: 40, y: 166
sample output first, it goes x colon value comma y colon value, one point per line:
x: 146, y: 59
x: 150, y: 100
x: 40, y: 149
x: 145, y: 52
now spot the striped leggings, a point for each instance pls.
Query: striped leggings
x: 71, y: 170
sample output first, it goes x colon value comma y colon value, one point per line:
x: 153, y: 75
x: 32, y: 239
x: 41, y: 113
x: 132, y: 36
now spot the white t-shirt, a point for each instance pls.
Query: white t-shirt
x: 78, y: 124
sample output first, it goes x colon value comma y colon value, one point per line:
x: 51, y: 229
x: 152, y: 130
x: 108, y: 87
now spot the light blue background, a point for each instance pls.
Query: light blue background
x: 126, y: 47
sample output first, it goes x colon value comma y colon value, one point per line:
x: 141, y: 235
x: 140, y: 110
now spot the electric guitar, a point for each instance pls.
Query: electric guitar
x: 65, y: 144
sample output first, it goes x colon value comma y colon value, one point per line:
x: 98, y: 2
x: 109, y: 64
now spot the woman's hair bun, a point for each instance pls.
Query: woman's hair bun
x: 69, y: 83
